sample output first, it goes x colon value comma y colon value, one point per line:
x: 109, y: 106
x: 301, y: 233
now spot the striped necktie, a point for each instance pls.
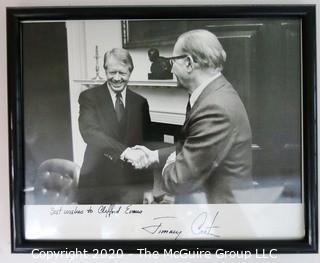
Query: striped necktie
x: 119, y: 107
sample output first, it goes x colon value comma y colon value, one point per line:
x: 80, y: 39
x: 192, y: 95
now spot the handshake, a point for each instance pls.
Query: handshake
x: 140, y: 157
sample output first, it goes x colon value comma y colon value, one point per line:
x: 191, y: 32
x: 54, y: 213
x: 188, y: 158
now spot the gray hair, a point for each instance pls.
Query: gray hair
x: 121, y: 54
x: 204, y: 48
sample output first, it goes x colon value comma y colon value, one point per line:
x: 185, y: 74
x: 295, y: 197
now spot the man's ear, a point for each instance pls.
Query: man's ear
x: 189, y: 63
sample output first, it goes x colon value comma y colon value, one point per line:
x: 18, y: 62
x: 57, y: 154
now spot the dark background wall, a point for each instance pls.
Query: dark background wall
x: 47, y: 120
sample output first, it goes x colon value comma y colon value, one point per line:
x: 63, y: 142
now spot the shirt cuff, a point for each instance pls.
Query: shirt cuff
x: 124, y: 153
x: 171, y: 159
x: 155, y: 156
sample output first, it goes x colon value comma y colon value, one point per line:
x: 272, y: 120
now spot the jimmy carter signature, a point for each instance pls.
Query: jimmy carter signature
x: 201, y: 225
x: 161, y: 228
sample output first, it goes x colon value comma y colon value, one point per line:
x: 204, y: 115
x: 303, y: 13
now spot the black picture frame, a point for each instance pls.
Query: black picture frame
x: 15, y: 16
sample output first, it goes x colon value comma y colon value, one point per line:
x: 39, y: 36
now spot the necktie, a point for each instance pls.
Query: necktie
x: 188, y: 109
x: 119, y: 107
x: 182, y: 135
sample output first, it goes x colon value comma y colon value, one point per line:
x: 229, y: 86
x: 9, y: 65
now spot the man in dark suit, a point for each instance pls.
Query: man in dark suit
x: 214, y: 153
x: 113, y: 118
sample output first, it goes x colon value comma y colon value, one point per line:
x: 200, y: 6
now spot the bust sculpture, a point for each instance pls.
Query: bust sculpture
x: 160, y: 66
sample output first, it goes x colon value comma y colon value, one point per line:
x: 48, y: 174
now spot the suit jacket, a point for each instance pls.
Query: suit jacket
x: 214, y: 155
x: 104, y: 178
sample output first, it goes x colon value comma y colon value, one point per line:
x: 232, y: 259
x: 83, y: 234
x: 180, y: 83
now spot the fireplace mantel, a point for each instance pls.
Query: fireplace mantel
x: 148, y: 83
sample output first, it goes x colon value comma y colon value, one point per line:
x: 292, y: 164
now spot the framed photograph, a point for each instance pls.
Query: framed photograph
x: 185, y: 129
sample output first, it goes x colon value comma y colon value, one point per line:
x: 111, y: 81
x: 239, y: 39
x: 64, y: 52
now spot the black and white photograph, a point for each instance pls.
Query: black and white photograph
x: 179, y: 112
x: 163, y: 129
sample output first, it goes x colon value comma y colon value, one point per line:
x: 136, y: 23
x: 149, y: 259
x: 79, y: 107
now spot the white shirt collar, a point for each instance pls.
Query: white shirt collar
x: 197, y: 92
x: 114, y: 96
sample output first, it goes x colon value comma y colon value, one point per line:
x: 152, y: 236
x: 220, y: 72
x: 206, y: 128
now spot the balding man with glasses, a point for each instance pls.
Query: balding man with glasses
x: 213, y: 155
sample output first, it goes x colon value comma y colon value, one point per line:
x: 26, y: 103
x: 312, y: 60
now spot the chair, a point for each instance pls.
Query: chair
x: 57, y: 181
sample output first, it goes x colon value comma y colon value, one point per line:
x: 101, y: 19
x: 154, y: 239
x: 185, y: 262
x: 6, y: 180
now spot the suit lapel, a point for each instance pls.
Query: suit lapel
x: 106, y: 109
x: 129, y: 113
x: 212, y: 87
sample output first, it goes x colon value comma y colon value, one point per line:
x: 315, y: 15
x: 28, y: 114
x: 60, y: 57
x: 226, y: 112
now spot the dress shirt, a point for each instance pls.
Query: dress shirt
x: 114, y: 96
x: 197, y: 92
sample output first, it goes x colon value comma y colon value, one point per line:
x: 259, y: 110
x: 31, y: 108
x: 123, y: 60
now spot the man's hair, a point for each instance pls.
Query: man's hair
x: 204, y: 48
x: 120, y: 54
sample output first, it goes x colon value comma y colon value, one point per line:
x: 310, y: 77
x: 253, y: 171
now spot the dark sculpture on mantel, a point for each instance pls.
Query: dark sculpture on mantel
x: 160, y: 66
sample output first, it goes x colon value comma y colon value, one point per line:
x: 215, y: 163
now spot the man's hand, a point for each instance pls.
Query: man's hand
x: 135, y: 157
x: 152, y: 156
x: 140, y: 157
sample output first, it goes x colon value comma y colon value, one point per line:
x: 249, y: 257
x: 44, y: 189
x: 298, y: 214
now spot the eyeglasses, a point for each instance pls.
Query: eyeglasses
x: 172, y: 59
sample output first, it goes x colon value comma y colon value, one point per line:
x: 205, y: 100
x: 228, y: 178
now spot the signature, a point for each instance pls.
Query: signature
x: 160, y: 228
x: 203, y: 225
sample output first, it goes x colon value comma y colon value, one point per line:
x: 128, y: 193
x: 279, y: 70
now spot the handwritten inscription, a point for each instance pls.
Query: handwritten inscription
x: 66, y: 211
x: 106, y: 210
x: 109, y: 210
x: 131, y: 210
